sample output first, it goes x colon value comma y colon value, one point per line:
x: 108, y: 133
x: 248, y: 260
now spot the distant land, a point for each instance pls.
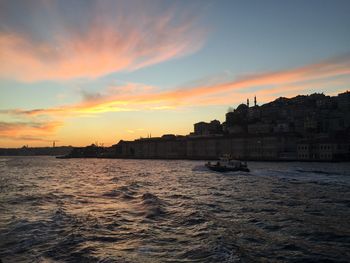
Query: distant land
x: 312, y: 127
x: 33, y: 151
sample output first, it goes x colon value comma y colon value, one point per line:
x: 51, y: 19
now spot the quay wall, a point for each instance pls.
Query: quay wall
x: 262, y: 147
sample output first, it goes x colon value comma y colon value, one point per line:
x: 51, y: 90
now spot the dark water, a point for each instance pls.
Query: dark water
x: 90, y: 210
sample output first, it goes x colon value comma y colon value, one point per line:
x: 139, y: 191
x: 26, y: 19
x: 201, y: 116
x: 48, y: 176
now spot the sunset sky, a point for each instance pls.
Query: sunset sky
x: 78, y: 72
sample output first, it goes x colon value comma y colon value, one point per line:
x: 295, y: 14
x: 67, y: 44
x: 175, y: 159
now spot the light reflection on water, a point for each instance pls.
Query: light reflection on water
x: 98, y: 210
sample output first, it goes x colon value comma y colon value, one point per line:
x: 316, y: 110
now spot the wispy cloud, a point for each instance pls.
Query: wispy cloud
x: 33, y: 131
x: 51, y: 42
x: 327, y: 75
x: 133, y: 96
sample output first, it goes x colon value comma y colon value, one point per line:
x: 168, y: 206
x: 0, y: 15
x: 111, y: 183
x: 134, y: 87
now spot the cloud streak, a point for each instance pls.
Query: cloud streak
x: 34, y: 131
x: 133, y: 96
x: 100, y: 38
x: 139, y: 97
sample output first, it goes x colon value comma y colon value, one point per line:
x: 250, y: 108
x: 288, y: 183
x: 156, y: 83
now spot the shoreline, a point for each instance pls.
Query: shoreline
x: 208, y: 159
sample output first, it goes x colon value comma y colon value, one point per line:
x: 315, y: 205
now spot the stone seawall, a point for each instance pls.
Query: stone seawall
x: 245, y: 147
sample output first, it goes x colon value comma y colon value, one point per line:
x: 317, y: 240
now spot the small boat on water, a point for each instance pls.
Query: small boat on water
x: 227, y: 165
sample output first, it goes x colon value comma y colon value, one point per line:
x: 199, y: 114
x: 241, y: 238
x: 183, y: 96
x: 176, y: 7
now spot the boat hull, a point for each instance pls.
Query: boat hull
x: 223, y: 169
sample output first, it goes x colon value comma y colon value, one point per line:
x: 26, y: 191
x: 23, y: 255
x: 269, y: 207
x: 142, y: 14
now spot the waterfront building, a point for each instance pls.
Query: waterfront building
x: 306, y: 128
x: 204, y: 128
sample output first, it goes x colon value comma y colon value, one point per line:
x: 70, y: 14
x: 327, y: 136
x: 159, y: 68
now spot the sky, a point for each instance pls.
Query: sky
x: 79, y: 72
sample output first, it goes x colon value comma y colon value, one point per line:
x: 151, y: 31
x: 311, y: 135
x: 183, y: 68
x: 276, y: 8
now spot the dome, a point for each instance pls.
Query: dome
x: 242, y: 108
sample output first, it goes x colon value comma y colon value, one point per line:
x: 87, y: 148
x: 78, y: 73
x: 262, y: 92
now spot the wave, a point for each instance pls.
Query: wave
x: 152, y: 206
x: 172, y: 211
x: 123, y: 192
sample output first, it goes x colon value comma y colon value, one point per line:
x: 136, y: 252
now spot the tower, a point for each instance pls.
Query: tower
x: 248, y: 103
x: 254, y: 100
x: 53, y: 144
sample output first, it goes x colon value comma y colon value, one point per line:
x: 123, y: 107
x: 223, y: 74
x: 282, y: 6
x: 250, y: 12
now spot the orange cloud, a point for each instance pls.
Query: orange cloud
x: 267, y: 86
x: 34, y: 131
x: 105, y: 45
x: 328, y: 75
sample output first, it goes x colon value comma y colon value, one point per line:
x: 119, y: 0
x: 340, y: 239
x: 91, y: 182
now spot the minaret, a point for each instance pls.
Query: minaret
x: 254, y: 100
x: 53, y: 144
x: 248, y: 103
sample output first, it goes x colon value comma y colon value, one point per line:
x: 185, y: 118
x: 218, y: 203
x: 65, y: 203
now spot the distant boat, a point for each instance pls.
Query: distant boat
x: 227, y: 164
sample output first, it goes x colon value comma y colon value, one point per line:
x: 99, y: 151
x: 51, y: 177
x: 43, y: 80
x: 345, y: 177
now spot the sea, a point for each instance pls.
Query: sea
x: 115, y: 210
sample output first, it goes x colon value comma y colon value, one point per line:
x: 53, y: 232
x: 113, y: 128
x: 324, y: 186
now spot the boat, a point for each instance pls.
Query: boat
x: 227, y: 165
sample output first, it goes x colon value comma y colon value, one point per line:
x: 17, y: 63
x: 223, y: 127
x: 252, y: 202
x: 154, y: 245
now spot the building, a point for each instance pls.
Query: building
x: 204, y: 128
x: 306, y: 128
x: 323, y: 150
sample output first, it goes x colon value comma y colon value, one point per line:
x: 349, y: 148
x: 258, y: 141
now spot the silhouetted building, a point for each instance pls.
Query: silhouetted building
x: 204, y: 128
x: 305, y: 128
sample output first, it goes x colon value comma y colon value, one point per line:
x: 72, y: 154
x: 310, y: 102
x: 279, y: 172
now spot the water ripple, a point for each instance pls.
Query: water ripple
x: 96, y: 210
